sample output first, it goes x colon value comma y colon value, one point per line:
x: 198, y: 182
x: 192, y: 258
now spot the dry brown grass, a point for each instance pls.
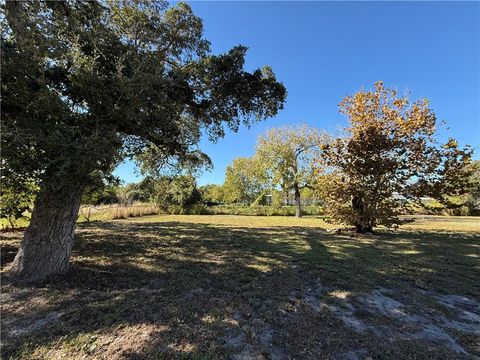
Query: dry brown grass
x: 113, y: 212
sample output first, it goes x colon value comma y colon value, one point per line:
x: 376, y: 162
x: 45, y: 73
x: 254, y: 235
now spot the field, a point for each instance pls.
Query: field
x: 216, y: 287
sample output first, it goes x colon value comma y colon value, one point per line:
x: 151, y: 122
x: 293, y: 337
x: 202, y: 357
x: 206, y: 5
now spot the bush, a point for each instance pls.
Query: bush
x: 175, y: 192
x: 433, y: 207
x: 245, y: 210
x: 263, y: 210
x: 16, y: 203
x: 195, y: 209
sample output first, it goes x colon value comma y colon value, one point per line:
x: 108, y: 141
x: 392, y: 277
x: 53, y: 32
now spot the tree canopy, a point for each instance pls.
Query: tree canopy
x: 212, y: 194
x: 86, y: 83
x: 244, y: 181
x: 286, y: 154
x: 387, y: 157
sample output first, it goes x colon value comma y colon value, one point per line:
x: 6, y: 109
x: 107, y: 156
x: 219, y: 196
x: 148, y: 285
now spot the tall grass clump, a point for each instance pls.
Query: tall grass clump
x: 112, y: 212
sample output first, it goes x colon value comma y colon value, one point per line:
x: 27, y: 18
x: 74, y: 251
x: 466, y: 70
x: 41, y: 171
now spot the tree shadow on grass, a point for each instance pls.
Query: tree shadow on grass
x: 7, y: 254
x: 179, y: 288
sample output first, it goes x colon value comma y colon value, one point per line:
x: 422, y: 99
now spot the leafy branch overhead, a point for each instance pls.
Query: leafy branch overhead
x: 87, y: 84
x: 94, y: 78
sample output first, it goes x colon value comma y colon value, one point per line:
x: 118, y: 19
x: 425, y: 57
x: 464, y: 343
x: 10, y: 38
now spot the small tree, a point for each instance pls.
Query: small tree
x: 473, y: 194
x: 244, y: 181
x: 386, y: 158
x: 183, y: 191
x: 469, y: 202
x: 287, y: 154
x: 101, y: 190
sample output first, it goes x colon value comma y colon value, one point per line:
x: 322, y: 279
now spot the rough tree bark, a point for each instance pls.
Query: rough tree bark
x: 298, y: 204
x: 47, y: 243
x: 363, y: 224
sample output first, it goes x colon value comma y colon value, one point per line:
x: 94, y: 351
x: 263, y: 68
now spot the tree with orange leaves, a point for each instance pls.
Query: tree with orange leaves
x: 386, y: 159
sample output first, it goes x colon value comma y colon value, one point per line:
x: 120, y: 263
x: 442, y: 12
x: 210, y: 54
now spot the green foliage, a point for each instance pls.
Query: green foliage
x: 263, y: 199
x: 465, y: 204
x: 147, y: 188
x: 165, y: 192
x: 179, y: 191
x: 193, y: 209
x: 244, y: 181
x: 144, y: 191
x: 134, y: 195
x: 263, y: 210
x: 85, y: 84
x: 17, y: 201
x: 184, y: 191
x: 101, y: 190
x: 471, y: 198
x: 286, y: 155
x: 212, y: 193
x: 107, y: 195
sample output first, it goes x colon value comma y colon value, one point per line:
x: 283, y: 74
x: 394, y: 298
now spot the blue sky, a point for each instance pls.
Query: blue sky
x: 323, y: 51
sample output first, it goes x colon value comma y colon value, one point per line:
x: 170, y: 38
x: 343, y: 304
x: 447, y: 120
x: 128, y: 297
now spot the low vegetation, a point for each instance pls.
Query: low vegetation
x: 215, y: 287
x: 263, y: 210
x: 112, y: 212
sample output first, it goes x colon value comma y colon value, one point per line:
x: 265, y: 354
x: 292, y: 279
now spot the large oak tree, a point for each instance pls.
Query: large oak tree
x: 85, y: 84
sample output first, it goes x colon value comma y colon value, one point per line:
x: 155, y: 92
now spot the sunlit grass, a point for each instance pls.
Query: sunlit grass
x: 240, y: 221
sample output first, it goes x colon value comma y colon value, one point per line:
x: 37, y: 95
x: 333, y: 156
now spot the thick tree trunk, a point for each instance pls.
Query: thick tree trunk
x: 47, y: 243
x: 362, y: 222
x: 298, y: 204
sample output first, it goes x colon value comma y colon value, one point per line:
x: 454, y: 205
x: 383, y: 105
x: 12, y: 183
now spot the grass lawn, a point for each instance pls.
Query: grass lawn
x: 219, y: 287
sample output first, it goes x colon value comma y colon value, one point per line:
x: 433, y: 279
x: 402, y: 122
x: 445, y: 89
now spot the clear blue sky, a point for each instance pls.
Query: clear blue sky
x: 323, y: 51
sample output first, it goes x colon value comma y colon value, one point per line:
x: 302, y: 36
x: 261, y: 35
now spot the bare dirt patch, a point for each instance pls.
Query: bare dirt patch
x: 379, y: 313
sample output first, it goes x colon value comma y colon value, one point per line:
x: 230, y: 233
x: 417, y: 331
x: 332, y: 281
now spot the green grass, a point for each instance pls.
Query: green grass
x: 177, y: 286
